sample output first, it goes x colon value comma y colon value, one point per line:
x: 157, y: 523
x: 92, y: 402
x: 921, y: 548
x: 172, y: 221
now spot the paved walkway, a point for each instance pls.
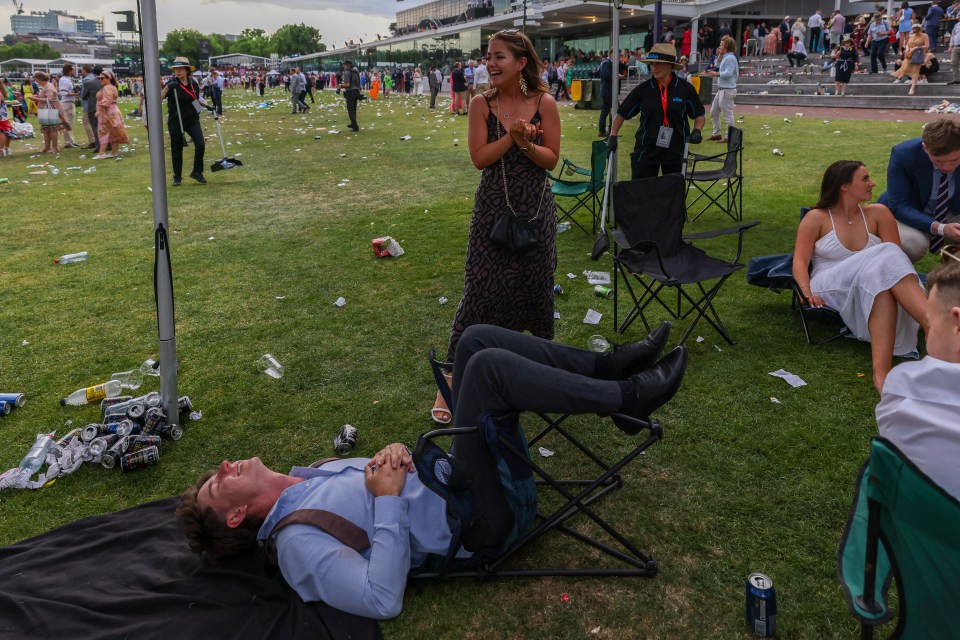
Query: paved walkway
x: 905, y: 115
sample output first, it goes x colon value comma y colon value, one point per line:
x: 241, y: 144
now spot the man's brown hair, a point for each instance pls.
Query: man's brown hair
x: 946, y: 278
x: 941, y: 137
x: 207, y: 532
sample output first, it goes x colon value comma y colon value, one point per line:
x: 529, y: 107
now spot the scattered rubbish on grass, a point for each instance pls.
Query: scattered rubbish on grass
x: 270, y: 366
x: 793, y: 380
x: 777, y: 152
x: 24, y: 343
x: 598, y: 343
x: 340, y: 302
x: 211, y: 238
x: 860, y: 375
x: 556, y: 315
x: 571, y: 275
x: 700, y: 338
x: 386, y: 246
x: 774, y: 400
x: 405, y: 138
x: 718, y: 348
x: 71, y: 257
x: 597, y: 277
x: 281, y: 297
x: 592, y: 317
x: 564, y: 597
x: 443, y: 300
x: 544, y: 452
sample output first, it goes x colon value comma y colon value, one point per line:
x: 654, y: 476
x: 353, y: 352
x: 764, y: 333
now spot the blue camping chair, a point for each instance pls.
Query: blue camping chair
x: 776, y: 273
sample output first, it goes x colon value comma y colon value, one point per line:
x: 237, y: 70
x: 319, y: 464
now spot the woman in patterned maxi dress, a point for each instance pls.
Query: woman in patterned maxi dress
x: 514, y: 138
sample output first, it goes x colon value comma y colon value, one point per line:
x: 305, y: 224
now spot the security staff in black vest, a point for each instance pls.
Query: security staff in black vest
x: 666, y: 104
x: 351, y: 91
x: 184, y: 105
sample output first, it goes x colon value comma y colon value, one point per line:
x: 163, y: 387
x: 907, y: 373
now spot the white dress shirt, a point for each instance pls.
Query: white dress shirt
x: 919, y: 412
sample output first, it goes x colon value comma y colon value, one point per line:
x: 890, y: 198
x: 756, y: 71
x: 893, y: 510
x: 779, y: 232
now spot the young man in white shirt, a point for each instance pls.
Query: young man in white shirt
x: 68, y: 101
x: 919, y: 409
x: 481, y: 77
x: 816, y: 31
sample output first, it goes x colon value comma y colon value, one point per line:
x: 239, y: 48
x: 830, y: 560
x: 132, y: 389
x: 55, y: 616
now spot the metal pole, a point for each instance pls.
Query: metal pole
x: 163, y: 275
x: 615, y: 84
x: 657, y: 22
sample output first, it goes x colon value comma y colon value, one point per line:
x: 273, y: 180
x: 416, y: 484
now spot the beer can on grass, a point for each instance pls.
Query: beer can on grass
x: 153, y: 419
x: 136, y: 410
x: 5, y: 407
x: 761, y: 605
x: 557, y: 289
x: 111, y: 457
x: 142, y: 458
x: 603, y: 292
x: 184, y: 407
x: 109, y: 402
x: 345, y: 440
x: 137, y: 443
x: 13, y: 399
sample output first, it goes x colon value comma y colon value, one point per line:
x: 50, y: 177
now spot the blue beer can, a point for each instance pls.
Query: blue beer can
x: 13, y: 399
x: 557, y: 289
x: 5, y: 407
x: 761, y: 605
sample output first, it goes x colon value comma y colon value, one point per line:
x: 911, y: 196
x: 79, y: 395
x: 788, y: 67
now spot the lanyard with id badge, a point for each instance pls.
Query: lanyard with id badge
x: 665, y: 135
x: 192, y: 94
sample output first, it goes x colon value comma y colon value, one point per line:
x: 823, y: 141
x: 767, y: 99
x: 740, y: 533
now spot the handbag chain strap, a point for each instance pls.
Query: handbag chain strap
x: 503, y: 170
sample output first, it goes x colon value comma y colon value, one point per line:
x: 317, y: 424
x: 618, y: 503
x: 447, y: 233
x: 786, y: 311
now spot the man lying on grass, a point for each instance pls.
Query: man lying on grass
x: 497, y: 371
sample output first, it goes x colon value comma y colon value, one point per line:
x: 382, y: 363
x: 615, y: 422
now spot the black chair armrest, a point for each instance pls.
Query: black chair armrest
x: 740, y: 228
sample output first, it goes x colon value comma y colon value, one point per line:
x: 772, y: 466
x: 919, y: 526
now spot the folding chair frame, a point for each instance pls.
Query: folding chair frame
x: 732, y: 173
x: 808, y: 312
x: 651, y: 290
x: 578, y: 496
x: 588, y: 191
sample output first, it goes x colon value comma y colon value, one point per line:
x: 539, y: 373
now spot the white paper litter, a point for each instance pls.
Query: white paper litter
x: 556, y: 315
x: 700, y: 338
x: 592, y: 317
x: 340, y: 301
x: 792, y: 379
x: 597, y: 277
x: 544, y: 452
x: 777, y: 152
x: 443, y: 300
x: 774, y: 400
x: 571, y: 275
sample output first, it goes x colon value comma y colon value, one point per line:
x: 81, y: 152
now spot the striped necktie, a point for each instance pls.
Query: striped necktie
x: 943, y: 208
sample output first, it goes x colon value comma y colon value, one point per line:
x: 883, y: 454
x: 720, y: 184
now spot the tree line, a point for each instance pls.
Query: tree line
x: 288, y: 40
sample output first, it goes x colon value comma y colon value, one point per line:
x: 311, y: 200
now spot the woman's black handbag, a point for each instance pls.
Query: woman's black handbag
x: 513, y: 234
x: 917, y: 56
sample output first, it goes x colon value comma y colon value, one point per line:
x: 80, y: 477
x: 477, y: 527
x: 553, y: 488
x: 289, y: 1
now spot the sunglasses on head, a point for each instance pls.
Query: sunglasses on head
x: 950, y: 252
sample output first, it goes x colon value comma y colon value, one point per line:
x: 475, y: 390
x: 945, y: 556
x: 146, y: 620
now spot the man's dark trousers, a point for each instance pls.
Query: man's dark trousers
x: 217, y: 96
x: 606, y: 104
x: 433, y: 97
x: 352, y: 96
x: 877, y: 52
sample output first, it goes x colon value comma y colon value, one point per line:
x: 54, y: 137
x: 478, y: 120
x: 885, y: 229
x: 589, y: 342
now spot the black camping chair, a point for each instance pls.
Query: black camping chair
x: 585, y: 193
x: 653, y: 252
x: 704, y: 174
x: 576, y: 497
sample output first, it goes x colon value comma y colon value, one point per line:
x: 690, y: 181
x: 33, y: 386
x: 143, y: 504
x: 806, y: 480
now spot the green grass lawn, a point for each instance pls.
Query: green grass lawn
x: 739, y: 483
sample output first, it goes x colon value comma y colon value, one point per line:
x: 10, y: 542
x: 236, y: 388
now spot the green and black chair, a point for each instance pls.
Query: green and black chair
x: 584, y: 192
x: 902, y: 527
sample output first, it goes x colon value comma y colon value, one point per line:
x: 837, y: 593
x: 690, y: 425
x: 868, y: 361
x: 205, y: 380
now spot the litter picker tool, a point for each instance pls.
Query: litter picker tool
x: 224, y: 163
x: 602, y: 243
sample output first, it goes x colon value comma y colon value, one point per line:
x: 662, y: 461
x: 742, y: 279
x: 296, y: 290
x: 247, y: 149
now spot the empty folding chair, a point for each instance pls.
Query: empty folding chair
x: 654, y: 255
x: 717, y: 180
x: 584, y: 193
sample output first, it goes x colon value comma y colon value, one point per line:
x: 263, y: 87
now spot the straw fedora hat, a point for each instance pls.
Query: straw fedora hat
x: 663, y: 52
x: 182, y: 62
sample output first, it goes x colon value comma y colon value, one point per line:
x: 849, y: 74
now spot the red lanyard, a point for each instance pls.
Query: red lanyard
x: 191, y: 93
x: 663, y: 101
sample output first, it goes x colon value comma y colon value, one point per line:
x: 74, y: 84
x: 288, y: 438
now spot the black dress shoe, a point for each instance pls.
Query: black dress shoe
x: 177, y: 182
x: 954, y: 82
x: 353, y: 127
x: 626, y: 360
x: 652, y: 388
x: 198, y: 177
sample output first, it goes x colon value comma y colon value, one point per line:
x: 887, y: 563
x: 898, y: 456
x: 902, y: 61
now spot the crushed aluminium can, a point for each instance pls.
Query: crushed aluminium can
x: 345, y: 440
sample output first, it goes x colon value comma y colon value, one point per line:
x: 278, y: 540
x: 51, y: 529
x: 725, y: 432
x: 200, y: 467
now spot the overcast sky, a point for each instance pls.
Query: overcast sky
x: 337, y: 20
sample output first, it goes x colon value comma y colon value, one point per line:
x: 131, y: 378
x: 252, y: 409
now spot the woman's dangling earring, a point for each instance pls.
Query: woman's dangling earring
x: 523, y: 85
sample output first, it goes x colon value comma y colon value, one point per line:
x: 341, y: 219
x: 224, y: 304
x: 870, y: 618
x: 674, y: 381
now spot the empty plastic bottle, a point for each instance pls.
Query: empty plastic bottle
x: 72, y: 257
x: 598, y: 344
x: 129, y: 379
x: 150, y: 367
x: 95, y: 393
x: 563, y: 226
x: 37, y: 454
x: 270, y: 366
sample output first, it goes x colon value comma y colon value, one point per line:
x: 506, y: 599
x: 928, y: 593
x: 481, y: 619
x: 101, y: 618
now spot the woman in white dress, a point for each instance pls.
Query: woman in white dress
x: 859, y: 268
x: 418, y: 82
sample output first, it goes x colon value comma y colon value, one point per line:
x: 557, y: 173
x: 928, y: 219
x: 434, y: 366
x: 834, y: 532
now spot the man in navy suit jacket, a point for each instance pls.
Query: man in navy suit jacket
x: 913, y: 177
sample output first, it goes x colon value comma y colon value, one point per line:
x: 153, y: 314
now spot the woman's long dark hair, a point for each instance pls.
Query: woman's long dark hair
x: 838, y: 174
x: 521, y: 47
